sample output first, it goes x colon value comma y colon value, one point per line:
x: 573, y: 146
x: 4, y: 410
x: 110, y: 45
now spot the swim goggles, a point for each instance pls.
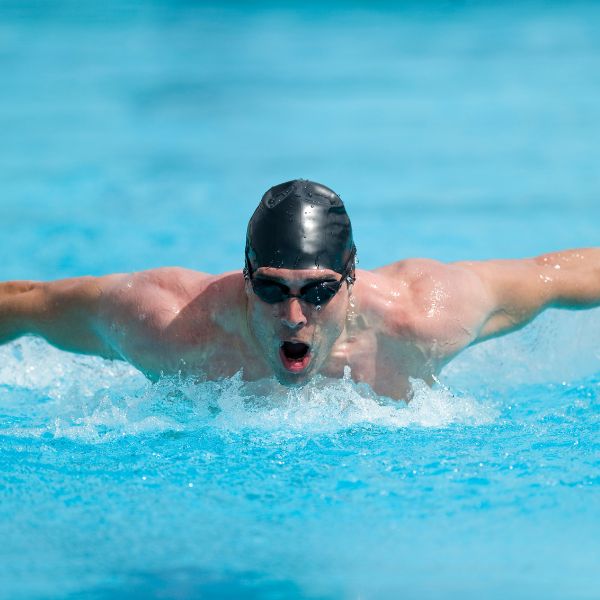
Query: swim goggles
x: 317, y: 293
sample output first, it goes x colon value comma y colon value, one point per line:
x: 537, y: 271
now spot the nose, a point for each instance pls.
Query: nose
x: 292, y: 315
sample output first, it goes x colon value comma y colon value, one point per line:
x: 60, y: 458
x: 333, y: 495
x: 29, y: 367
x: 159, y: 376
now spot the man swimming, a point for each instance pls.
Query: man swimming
x: 300, y: 307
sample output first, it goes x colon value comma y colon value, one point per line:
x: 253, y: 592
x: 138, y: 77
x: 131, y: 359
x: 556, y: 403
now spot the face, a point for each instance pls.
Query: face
x: 294, y: 335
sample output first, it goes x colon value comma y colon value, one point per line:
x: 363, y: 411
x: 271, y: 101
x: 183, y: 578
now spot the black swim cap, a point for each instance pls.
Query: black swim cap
x: 300, y: 224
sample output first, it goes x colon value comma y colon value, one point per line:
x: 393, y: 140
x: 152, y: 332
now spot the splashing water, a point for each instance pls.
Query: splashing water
x: 93, y: 400
x: 283, y: 480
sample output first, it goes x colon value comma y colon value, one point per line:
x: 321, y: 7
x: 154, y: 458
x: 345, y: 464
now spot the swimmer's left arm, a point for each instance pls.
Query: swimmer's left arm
x: 516, y: 291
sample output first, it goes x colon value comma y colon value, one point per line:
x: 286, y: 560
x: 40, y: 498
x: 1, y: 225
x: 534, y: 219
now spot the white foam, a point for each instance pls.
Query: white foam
x: 31, y: 363
x: 93, y: 401
x: 329, y: 405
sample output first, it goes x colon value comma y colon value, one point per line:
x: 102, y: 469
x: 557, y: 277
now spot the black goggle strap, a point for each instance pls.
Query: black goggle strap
x: 349, y: 269
x: 247, y: 267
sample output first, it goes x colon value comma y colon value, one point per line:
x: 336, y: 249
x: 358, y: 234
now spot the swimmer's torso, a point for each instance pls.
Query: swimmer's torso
x: 176, y: 321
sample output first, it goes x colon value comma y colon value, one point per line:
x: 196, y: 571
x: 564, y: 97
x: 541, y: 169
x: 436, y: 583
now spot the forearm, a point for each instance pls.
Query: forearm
x: 65, y: 313
x: 573, y: 276
x: 516, y: 291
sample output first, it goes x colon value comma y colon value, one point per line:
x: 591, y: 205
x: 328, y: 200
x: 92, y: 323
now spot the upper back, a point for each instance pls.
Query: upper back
x: 438, y: 307
x: 151, y: 317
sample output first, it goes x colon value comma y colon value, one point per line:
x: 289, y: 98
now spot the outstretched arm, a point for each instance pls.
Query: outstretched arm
x: 518, y: 290
x: 66, y: 313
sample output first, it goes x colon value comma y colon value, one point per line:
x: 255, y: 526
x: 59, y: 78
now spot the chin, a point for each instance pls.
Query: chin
x: 290, y: 379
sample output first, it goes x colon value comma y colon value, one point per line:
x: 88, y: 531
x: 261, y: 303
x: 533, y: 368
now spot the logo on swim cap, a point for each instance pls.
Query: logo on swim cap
x: 302, y: 188
x: 278, y: 194
x: 300, y: 224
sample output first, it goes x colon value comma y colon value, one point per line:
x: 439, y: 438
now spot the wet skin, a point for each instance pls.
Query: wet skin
x: 404, y: 320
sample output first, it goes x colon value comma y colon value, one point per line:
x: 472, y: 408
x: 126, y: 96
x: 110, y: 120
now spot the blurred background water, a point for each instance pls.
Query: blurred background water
x: 135, y: 135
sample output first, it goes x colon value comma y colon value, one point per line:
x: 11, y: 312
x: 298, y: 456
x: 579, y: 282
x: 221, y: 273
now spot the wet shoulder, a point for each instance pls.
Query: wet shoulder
x: 425, y: 279
x: 405, y: 287
x: 158, y: 296
x: 411, y: 269
x: 425, y: 301
x: 156, y: 318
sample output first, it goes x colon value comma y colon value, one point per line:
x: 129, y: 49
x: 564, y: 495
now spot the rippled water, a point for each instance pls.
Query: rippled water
x: 114, y: 487
x: 136, y: 137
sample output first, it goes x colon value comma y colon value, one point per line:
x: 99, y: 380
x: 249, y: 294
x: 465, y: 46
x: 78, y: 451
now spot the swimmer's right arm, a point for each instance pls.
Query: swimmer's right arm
x: 66, y: 313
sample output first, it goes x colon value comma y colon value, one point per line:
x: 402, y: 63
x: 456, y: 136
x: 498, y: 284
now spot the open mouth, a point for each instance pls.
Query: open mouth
x: 295, y: 356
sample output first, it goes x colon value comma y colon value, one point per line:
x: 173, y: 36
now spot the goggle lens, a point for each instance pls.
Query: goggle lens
x: 273, y: 292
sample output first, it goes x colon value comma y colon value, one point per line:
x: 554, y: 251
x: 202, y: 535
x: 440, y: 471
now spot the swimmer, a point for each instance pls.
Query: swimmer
x: 300, y: 307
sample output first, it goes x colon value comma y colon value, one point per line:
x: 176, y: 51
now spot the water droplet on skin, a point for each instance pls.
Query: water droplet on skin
x: 318, y: 307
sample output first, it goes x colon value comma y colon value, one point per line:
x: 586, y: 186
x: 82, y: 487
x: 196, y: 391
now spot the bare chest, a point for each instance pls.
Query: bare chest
x: 385, y: 364
x: 207, y: 351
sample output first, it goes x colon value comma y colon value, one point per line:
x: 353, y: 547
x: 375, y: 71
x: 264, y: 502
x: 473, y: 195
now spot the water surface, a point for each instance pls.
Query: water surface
x: 135, y: 137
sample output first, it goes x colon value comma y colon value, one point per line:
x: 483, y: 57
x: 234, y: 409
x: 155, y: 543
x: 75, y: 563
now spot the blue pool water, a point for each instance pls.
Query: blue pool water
x: 139, y: 135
